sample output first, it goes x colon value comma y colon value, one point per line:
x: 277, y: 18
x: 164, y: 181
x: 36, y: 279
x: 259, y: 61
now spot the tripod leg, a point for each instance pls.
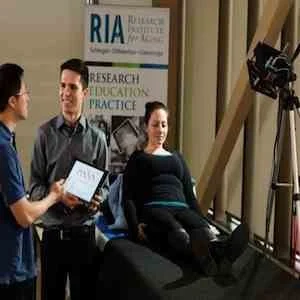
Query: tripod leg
x: 294, y: 152
x: 275, y: 169
x: 296, y: 196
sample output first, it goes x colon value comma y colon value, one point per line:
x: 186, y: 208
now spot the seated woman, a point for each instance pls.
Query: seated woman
x: 160, y: 205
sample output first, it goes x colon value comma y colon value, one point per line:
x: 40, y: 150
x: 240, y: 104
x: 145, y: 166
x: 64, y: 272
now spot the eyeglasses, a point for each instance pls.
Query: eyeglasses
x: 23, y: 93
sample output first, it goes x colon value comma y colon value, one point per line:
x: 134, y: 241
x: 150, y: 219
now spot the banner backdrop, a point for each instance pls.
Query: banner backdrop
x: 126, y: 49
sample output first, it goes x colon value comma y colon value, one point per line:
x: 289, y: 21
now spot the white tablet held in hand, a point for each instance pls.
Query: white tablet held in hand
x: 84, y: 179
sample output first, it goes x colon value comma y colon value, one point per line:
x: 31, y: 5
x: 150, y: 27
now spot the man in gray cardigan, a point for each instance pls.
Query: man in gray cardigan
x: 68, y: 244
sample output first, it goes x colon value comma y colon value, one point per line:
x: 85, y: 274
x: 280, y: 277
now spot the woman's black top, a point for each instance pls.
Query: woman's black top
x: 155, y: 180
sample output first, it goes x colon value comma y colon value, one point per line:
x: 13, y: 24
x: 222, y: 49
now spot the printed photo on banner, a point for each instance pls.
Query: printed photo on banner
x: 127, y: 136
x: 103, y: 122
x: 124, y: 135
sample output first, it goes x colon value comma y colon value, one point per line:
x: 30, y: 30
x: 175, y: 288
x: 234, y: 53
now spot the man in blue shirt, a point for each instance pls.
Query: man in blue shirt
x: 17, y: 265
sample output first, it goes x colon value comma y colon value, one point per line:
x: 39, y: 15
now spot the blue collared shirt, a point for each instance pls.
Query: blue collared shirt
x: 16, y: 251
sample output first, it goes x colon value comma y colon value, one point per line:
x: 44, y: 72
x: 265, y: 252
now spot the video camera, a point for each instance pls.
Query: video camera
x: 270, y: 70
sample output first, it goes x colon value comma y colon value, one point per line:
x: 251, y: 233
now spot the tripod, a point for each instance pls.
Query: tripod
x: 287, y: 106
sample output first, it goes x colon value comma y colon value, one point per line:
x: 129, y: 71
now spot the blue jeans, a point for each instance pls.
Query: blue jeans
x: 24, y: 290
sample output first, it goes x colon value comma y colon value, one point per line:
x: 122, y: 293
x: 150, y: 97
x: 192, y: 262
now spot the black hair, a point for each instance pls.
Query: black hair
x: 150, y: 107
x: 77, y: 65
x: 10, y: 82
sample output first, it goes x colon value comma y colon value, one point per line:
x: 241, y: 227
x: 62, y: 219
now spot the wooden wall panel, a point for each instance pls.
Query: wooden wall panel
x: 233, y: 23
x: 200, y: 82
x: 174, y: 78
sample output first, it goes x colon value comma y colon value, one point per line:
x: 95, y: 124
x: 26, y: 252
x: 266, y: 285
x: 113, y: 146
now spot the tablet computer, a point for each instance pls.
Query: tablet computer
x: 84, y: 179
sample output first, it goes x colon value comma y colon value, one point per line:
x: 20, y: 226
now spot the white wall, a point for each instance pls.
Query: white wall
x: 39, y: 35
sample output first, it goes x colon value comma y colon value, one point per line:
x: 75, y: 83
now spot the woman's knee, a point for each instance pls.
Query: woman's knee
x: 179, y: 240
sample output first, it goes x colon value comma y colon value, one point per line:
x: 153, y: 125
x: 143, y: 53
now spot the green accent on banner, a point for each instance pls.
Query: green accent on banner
x: 126, y: 65
x: 155, y: 3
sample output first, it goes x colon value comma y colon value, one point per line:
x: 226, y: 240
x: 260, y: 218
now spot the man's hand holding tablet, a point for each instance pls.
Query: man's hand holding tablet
x: 70, y: 200
x: 82, y: 183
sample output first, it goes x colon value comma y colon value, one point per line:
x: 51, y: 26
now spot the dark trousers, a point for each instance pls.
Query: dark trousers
x: 174, y: 218
x: 164, y: 225
x: 24, y: 290
x: 70, y: 253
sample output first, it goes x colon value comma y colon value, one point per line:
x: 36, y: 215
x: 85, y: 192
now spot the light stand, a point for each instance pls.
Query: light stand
x: 271, y: 73
x: 289, y: 103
